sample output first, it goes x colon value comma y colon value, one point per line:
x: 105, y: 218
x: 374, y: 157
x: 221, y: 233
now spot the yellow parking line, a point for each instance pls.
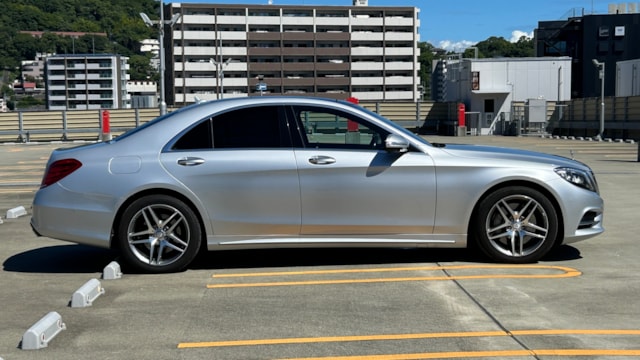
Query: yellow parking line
x: 565, y: 272
x: 478, y: 354
x: 395, y: 269
x: 416, y: 336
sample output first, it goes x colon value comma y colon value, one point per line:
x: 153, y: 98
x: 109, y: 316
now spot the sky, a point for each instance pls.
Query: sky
x: 456, y: 25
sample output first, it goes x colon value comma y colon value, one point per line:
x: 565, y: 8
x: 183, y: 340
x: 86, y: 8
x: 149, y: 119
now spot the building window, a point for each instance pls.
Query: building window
x: 603, y: 31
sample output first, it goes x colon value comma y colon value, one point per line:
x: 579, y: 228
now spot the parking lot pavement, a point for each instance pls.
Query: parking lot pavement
x: 581, y: 301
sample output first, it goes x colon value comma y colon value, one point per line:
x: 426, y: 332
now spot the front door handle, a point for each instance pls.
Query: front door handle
x: 190, y: 161
x: 321, y: 160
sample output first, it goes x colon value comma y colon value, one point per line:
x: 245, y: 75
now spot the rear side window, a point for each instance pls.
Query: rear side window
x: 200, y: 137
x: 252, y: 127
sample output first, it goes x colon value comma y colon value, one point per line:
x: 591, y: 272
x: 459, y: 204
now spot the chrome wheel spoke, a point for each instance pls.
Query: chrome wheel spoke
x: 152, y: 252
x: 176, y: 239
x: 535, y: 235
x: 537, y: 228
x: 500, y: 235
x: 505, y: 211
x: 513, y: 241
x: 177, y: 248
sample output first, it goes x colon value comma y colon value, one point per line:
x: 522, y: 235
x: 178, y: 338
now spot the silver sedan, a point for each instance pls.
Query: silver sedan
x: 267, y: 172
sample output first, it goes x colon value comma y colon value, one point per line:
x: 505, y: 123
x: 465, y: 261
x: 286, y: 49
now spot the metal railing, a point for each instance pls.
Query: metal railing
x: 72, y: 125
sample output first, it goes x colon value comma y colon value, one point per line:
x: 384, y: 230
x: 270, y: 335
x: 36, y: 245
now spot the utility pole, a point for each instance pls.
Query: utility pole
x: 161, y: 24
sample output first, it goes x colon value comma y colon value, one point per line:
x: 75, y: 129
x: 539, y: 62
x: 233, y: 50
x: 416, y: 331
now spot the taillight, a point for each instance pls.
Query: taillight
x: 58, y: 170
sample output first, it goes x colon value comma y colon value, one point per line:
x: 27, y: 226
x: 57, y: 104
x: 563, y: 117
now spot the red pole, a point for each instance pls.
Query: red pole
x: 352, y: 125
x: 106, y: 126
x: 461, y: 112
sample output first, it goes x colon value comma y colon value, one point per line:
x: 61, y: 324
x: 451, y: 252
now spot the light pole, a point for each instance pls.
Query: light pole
x: 220, y: 74
x: 600, y: 66
x: 161, y: 24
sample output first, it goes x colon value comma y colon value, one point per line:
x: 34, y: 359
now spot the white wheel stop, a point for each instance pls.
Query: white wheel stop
x: 39, y: 335
x: 112, y: 271
x: 87, y: 293
x: 16, y: 212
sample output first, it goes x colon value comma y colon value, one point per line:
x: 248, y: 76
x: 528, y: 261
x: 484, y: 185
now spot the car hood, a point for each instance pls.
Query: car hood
x: 507, y: 154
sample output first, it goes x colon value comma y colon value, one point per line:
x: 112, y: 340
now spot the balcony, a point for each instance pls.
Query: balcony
x: 200, y: 19
x: 366, y: 81
x: 398, y: 65
x: 366, y: 36
x: 366, y: 21
x: 263, y: 20
x: 367, y: 65
x: 198, y: 51
x: 406, y: 51
x: 398, y: 21
x: 399, y: 36
x: 297, y: 20
x: 229, y: 20
x: 199, y: 82
x: 367, y: 51
x: 398, y: 80
x: 194, y: 35
x: 368, y: 95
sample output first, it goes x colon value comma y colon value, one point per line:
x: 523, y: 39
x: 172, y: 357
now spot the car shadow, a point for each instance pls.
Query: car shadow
x: 272, y: 258
x: 87, y: 259
x: 72, y: 259
x: 563, y: 253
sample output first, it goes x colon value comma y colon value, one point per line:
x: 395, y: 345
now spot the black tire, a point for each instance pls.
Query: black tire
x: 516, y: 224
x: 159, y: 234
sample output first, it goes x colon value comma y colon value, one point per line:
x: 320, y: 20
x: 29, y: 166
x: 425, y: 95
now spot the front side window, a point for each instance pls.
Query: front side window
x: 329, y: 128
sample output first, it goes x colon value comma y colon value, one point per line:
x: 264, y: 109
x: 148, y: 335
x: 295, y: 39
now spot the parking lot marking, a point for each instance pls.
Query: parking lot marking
x: 564, y: 273
x: 477, y: 354
x: 416, y: 336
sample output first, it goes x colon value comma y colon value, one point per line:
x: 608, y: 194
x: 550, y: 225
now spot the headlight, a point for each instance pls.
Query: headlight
x: 579, y: 178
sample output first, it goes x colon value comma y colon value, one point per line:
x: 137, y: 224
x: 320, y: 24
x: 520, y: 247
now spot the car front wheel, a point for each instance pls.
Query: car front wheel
x: 516, y: 224
x: 159, y: 234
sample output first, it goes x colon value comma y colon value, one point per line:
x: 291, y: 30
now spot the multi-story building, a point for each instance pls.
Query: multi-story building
x: 86, y: 82
x: 223, y: 50
x: 606, y: 38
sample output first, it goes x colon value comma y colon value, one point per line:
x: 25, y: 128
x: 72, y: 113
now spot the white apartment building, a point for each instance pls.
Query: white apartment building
x: 87, y: 81
x: 223, y: 50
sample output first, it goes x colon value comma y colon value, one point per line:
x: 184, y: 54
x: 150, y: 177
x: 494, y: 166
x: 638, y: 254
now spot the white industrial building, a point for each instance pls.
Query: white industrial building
x: 490, y: 87
x: 224, y: 50
x: 628, y: 78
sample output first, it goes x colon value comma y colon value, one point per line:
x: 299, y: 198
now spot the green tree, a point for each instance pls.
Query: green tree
x: 493, y: 47
x: 426, y: 59
x: 524, y: 47
x: 499, y: 47
x: 140, y: 68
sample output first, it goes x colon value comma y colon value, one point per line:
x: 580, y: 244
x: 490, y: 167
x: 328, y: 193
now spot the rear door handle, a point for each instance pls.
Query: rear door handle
x: 321, y: 160
x: 190, y: 161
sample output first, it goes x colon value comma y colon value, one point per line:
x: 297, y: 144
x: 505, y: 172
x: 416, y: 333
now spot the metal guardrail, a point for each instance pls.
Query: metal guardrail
x: 575, y: 118
x: 72, y: 125
x: 69, y: 125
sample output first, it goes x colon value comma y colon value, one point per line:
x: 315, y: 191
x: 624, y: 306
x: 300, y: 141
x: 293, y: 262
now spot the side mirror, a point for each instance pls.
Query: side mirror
x: 395, y: 143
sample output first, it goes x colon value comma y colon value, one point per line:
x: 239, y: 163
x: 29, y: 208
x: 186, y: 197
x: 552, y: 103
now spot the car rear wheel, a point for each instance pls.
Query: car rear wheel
x: 159, y: 234
x: 516, y: 224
